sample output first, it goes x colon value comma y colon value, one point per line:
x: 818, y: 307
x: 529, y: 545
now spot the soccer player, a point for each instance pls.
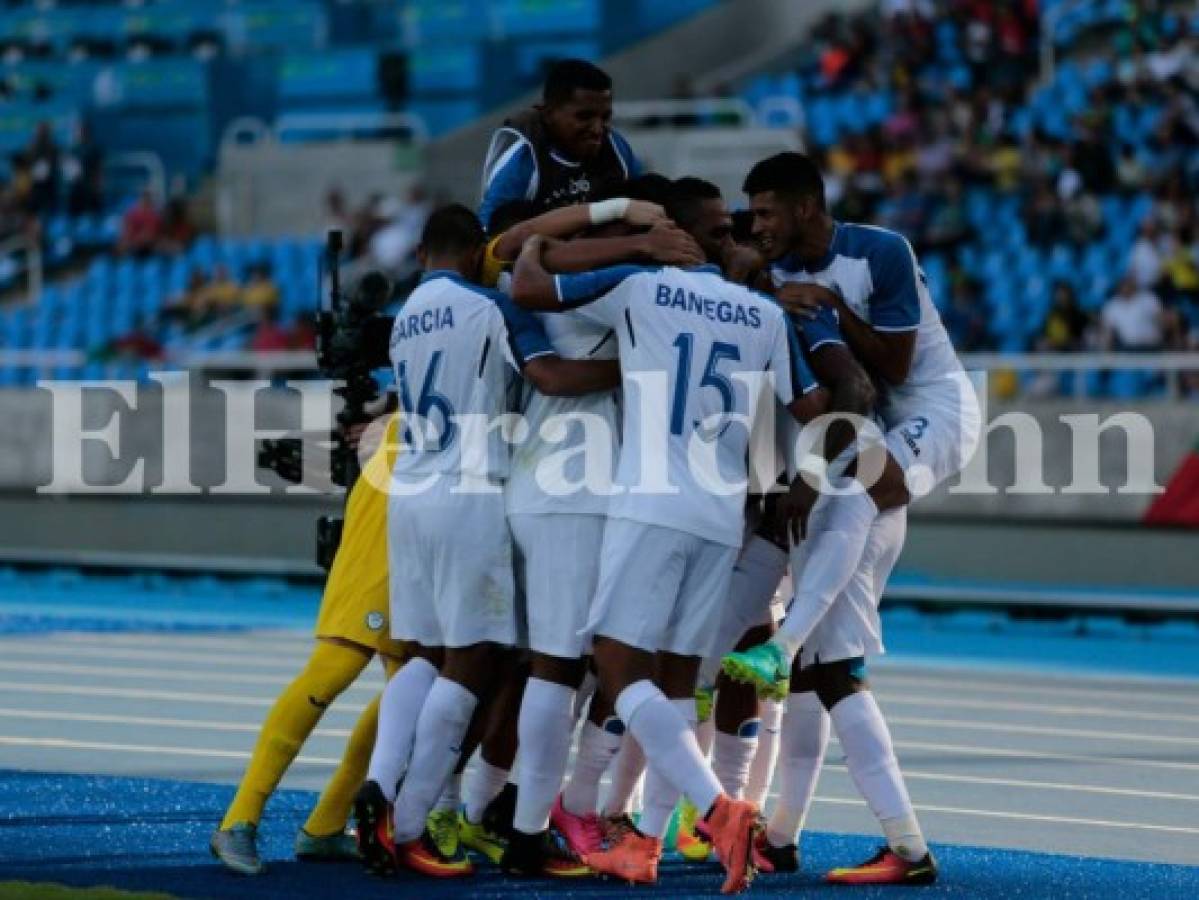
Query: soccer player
x: 350, y: 630
x: 562, y: 151
x: 454, y: 347
x: 694, y: 350
x: 870, y: 277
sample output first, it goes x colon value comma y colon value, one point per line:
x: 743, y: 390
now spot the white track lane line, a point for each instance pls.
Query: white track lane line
x: 253, y: 728
x: 1007, y: 753
x: 93, y: 746
x: 88, y: 690
x: 1043, y: 731
x: 254, y: 659
x: 889, y: 697
x: 923, y: 808
x: 167, y: 673
x: 250, y: 641
x: 155, y: 722
x: 1135, y: 693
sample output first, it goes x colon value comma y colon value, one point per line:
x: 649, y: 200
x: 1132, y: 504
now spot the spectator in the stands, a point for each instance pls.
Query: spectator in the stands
x: 303, y: 333
x: 1066, y: 324
x: 44, y: 170
x: 1145, y: 261
x: 393, y: 247
x: 140, y: 226
x: 1043, y: 218
x: 83, y: 168
x: 1132, y: 319
x: 221, y: 293
x: 965, y: 319
x: 269, y: 335
x: 260, y: 291
x: 176, y: 231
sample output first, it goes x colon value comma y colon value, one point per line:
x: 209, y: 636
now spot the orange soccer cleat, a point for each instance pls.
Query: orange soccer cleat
x: 734, y: 826
x: 422, y: 855
x: 887, y: 867
x: 632, y: 857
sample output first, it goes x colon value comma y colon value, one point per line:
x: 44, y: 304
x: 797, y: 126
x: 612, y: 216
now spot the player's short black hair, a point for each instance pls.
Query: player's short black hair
x: 687, y: 196
x: 452, y: 229
x: 791, y: 175
x: 510, y: 214
x: 650, y: 187
x: 569, y: 75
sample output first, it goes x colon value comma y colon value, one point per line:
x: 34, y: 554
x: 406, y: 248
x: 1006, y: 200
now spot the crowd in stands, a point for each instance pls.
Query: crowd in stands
x: 1053, y: 214
x: 45, y: 179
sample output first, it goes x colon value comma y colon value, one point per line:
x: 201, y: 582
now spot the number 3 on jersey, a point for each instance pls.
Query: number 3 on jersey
x: 712, y: 377
x: 428, y: 401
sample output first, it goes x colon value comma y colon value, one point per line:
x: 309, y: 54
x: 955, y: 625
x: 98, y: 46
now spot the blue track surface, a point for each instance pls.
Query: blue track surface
x: 143, y: 834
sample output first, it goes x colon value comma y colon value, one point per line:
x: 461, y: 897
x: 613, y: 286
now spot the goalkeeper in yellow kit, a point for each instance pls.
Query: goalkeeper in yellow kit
x: 351, y: 628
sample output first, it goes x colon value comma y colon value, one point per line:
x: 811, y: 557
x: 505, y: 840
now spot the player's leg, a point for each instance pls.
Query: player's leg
x: 330, y: 669
x: 600, y: 741
x: 561, y: 557
x: 323, y: 836
x: 675, y: 676
x: 688, y: 579
x: 804, y: 740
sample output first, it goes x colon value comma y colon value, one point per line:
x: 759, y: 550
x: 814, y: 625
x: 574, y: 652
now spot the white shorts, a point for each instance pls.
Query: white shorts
x: 557, y: 568
x: 852, y: 627
x: 450, y: 565
x: 752, y: 594
x: 937, y: 433
x: 660, y: 588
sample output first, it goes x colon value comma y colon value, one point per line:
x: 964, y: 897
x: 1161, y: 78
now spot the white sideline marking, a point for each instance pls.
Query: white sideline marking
x: 283, y: 640
x: 892, y: 698
x: 1043, y: 730
x: 87, y: 690
x: 168, y: 673
x: 63, y: 744
x: 1026, y: 817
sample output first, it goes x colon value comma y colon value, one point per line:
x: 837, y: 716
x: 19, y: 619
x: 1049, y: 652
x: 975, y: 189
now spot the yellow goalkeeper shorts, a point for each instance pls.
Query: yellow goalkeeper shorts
x: 355, y: 603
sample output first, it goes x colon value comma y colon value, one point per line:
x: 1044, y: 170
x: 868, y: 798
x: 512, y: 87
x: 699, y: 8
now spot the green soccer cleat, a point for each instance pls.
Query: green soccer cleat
x: 442, y: 825
x: 481, y: 840
x: 764, y: 666
x: 705, y: 699
x: 237, y: 848
x: 340, y: 847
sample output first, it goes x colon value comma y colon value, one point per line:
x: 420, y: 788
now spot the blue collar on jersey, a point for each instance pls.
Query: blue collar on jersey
x: 792, y: 263
x: 709, y: 268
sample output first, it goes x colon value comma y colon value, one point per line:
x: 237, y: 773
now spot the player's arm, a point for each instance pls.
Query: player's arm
x: 665, y: 243
x: 536, y: 288
x: 570, y: 220
x: 850, y: 390
x: 557, y: 377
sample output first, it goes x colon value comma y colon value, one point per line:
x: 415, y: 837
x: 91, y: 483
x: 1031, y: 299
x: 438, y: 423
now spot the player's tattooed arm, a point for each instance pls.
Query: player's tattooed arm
x: 532, y: 286
x: 558, y: 377
x: 850, y: 391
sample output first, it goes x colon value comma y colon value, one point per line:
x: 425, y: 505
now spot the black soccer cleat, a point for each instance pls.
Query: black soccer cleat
x: 498, y: 816
x: 540, y: 855
x: 372, y: 813
x: 769, y: 858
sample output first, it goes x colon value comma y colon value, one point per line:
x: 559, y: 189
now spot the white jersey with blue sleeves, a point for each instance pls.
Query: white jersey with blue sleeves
x: 696, y: 353
x: 876, y: 273
x: 455, y: 349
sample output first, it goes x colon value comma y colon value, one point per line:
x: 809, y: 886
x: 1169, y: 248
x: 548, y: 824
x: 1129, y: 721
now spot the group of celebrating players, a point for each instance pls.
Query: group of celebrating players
x: 607, y: 558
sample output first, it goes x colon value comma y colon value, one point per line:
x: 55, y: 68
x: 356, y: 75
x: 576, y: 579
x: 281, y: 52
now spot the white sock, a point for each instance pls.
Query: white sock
x: 439, y: 733
x: 628, y: 773
x: 482, y: 784
x: 399, y: 709
x: 803, y: 740
x: 837, y: 533
x: 732, y: 755
x: 871, y: 760
x: 668, y: 740
x: 661, y: 797
x: 451, y: 794
x: 597, y: 747
x: 544, y: 730
x: 761, y: 770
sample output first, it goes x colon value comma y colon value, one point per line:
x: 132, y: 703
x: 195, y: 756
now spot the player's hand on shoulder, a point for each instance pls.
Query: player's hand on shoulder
x: 741, y: 264
x: 669, y: 245
x: 804, y: 299
x: 644, y: 214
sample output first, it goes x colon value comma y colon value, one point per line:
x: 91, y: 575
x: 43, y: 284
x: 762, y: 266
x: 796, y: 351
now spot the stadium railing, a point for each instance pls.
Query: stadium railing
x: 327, y: 125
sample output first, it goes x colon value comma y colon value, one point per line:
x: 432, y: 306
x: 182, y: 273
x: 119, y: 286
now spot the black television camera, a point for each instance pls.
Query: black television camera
x: 351, y: 341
